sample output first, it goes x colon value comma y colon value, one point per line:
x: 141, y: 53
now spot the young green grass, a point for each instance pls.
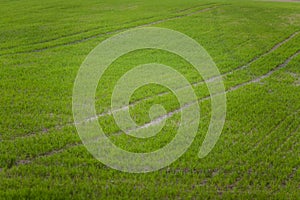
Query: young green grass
x: 255, y: 46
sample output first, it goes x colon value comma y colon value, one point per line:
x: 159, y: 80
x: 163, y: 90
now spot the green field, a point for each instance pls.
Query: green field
x: 256, y: 47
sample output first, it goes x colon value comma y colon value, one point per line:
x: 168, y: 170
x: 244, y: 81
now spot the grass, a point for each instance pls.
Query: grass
x: 42, y: 45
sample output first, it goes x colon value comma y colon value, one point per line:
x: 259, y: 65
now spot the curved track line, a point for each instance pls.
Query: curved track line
x: 98, y: 27
x: 267, y: 74
x: 275, y: 47
x: 214, y: 78
x: 236, y: 87
x: 113, y: 32
x: 21, y: 162
x: 65, y: 36
x: 50, y: 153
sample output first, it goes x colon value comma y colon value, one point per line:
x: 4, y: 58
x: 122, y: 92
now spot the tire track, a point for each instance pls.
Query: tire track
x: 275, y: 47
x: 21, y: 162
x: 98, y: 27
x: 255, y: 81
x: 195, y: 84
x: 47, y: 154
x: 65, y: 36
x: 236, y: 87
x: 267, y: 74
x: 212, y: 79
x: 113, y: 32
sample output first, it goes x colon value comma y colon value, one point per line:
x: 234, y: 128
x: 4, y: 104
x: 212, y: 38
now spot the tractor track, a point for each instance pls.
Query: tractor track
x: 112, y: 32
x: 159, y: 119
x: 275, y: 47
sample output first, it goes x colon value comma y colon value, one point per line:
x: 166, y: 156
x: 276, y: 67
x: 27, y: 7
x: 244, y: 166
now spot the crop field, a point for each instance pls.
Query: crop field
x: 254, y: 44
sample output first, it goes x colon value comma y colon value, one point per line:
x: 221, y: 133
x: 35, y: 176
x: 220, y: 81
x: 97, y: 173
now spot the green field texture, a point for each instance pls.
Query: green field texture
x: 256, y: 47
